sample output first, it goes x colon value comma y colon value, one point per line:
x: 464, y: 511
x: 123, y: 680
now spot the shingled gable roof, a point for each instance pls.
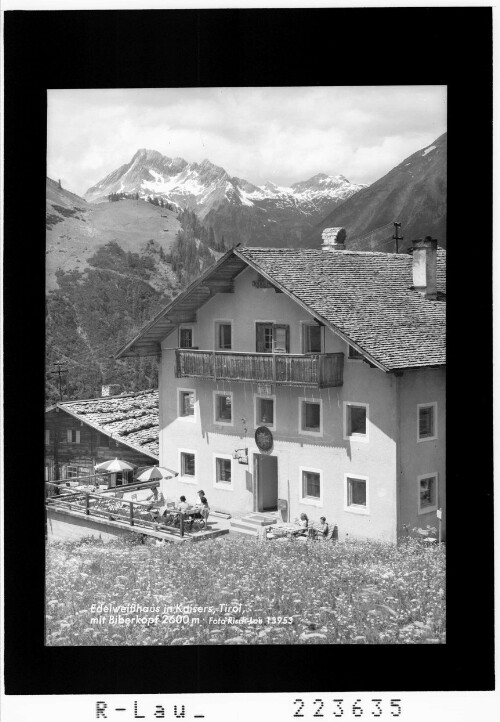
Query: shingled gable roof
x: 365, y: 297
x: 131, y: 419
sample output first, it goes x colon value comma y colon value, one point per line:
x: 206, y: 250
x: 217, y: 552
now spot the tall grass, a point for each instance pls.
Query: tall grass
x: 314, y: 593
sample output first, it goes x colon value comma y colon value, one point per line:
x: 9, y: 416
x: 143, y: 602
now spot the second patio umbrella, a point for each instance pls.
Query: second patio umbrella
x: 156, y: 472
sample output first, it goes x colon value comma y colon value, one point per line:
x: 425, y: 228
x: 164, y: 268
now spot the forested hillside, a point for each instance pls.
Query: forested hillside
x: 91, y: 313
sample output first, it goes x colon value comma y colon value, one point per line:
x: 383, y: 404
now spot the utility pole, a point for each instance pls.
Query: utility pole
x: 58, y: 372
x: 397, y: 237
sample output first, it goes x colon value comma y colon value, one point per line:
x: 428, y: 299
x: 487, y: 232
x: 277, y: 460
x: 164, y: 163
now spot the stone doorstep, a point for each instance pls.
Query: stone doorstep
x: 258, y: 519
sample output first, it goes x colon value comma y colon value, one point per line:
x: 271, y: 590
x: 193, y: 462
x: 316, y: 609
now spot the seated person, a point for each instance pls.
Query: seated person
x: 320, y: 531
x: 202, y: 506
x: 183, y: 506
x: 158, y: 498
x: 303, y: 524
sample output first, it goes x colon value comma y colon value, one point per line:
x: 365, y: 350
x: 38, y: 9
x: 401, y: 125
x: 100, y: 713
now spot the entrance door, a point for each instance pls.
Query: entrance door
x: 266, y: 476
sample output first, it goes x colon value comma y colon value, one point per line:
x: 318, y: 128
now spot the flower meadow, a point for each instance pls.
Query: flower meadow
x: 251, y: 591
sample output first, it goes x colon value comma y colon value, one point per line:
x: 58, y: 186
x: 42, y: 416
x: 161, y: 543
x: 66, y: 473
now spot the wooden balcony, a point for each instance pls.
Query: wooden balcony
x: 285, y: 369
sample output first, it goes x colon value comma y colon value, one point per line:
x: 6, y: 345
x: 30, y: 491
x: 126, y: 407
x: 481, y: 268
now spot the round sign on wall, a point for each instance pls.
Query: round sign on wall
x: 264, y: 438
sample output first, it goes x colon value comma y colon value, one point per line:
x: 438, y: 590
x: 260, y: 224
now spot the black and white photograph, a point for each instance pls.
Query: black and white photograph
x: 245, y: 366
x: 247, y: 303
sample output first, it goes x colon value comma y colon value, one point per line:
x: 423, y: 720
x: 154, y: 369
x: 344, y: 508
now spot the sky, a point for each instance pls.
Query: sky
x: 283, y: 135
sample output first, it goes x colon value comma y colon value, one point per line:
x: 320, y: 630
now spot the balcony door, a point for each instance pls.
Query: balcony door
x: 272, y: 337
x: 265, y: 469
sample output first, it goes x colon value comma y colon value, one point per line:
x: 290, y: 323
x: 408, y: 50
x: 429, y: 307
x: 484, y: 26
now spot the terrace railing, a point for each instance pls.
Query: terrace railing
x: 317, y: 370
x: 112, y: 508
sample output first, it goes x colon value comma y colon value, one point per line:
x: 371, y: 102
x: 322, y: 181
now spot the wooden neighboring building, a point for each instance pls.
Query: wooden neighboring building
x: 81, y: 434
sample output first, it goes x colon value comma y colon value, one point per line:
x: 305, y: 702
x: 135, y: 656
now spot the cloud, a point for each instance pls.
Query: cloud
x: 281, y: 134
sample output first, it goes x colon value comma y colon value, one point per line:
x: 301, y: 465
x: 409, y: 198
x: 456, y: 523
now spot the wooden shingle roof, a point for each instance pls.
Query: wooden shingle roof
x: 368, y: 297
x: 130, y: 419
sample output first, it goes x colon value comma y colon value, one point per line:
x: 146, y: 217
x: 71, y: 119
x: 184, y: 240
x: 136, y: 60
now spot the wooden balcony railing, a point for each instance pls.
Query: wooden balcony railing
x: 318, y: 370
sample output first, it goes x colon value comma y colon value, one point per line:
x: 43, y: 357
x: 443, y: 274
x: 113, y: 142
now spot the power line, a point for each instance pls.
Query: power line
x: 370, y: 233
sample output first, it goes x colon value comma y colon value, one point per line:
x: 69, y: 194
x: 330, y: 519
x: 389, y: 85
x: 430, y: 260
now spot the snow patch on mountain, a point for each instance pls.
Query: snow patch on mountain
x: 428, y: 150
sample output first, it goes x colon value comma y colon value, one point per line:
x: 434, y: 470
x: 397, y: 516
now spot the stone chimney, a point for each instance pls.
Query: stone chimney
x: 424, y: 266
x: 333, y: 239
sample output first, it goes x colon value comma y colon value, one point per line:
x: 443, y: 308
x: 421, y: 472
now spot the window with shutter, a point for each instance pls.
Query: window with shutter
x: 264, y: 337
x: 311, y: 338
x: 272, y: 338
x: 224, y: 336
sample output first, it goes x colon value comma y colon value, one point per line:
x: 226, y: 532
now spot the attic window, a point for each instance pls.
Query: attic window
x: 354, y: 354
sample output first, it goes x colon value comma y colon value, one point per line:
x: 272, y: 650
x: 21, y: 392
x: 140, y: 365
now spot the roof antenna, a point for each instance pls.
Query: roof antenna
x: 397, y: 237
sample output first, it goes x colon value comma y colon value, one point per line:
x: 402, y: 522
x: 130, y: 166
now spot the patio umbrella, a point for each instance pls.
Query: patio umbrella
x: 156, y: 472
x: 114, y: 465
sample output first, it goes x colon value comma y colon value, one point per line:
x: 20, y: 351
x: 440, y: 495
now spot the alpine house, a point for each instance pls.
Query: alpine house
x: 313, y: 381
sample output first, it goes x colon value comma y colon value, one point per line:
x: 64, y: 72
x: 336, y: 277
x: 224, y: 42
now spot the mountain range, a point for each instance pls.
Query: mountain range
x: 113, y: 259
x: 413, y: 193
x: 236, y: 209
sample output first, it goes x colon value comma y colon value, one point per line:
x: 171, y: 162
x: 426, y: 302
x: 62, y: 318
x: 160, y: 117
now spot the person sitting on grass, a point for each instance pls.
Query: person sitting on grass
x: 303, y: 524
x: 319, y: 531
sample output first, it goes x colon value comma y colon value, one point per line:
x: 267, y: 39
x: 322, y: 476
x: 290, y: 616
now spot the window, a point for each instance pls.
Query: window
x: 47, y: 437
x: 272, y: 337
x: 223, y: 340
x: 73, y: 436
x: 124, y: 477
x: 311, y: 486
x: 311, y: 338
x: 427, y: 422
x: 356, y: 421
x: 427, y: 493
x: 310, y: 421
x: 185, y: 337
x: 353, y: 354
x: 188, y: 464
x: 72, y: 471
x: 223, y: 471
x: 223, y: 405
x: 264, y: 411
x: 186, y: 403
x: 356, y: 494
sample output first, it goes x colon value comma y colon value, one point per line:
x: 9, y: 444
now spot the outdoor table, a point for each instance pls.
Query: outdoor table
x: 287, y: 529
